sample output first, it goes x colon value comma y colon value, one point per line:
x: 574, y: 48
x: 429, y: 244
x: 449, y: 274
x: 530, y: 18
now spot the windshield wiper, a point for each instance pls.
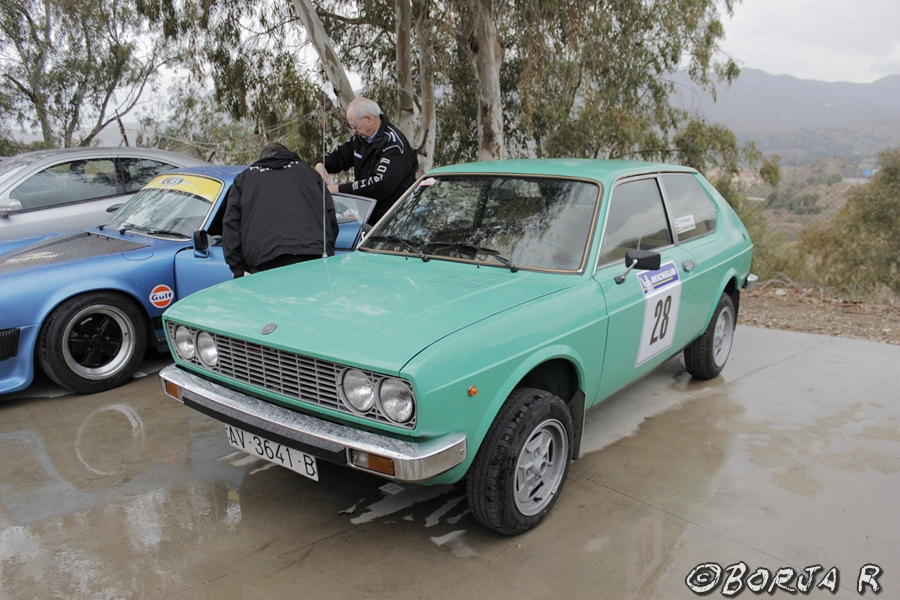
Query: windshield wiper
x: 489, y: 251
x: 165, y: 232
x: 125, y: 227
x: 409, y: 245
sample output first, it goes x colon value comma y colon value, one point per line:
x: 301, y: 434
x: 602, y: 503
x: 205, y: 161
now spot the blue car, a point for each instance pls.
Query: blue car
x: 84, y: 306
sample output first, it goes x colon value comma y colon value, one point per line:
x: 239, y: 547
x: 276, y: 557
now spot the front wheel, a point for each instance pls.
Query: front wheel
x: 705, y: 357
x: 523, y: 462
x: 93, y: 342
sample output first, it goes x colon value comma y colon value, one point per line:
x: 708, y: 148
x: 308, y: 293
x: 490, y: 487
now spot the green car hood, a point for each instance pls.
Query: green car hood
x: 362, y: 309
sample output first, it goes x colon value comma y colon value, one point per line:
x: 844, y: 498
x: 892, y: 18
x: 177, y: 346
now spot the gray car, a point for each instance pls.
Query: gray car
x: 48, y: 191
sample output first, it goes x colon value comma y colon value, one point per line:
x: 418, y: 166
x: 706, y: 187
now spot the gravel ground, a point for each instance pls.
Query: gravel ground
x: 796, y: 310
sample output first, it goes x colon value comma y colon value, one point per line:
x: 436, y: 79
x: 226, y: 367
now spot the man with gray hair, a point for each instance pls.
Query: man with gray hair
x: 384, y: 164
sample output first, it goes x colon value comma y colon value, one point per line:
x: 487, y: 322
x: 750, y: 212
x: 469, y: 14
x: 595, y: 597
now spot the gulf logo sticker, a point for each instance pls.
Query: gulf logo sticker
x: 161, y: 296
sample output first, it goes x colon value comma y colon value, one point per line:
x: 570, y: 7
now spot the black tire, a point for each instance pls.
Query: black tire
x: 705, y: 357
x: 93, y: 342
x: 531, y: 422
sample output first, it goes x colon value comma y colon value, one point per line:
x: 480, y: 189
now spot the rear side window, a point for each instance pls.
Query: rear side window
x: 636, y: 220
x: 138, y: 171
x: 694, y: 214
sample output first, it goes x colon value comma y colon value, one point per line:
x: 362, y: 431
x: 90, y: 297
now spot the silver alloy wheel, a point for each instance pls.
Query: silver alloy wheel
x: 540, y: 467
x: 723, y: 336
x: 98, y: 341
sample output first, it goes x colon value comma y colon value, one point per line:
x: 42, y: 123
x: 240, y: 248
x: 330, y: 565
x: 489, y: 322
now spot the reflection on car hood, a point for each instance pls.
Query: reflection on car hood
x: 63, y: 248
x: 365, y: 309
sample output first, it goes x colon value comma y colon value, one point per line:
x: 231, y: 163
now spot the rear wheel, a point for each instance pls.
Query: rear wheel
x: 705, y: 357
x: 93, y: 342
x: 523, y: 462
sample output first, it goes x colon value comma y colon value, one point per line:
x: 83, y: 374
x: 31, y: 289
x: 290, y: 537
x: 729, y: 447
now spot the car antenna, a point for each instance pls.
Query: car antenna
x: 324, y: 187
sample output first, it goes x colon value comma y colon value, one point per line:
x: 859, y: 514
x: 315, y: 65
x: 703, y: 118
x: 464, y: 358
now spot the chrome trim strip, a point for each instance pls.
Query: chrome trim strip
x: 413, y: 461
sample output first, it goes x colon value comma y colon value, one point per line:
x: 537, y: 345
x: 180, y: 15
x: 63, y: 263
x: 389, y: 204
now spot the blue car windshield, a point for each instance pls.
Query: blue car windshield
x: 530, y: 222
x: 161, y: 211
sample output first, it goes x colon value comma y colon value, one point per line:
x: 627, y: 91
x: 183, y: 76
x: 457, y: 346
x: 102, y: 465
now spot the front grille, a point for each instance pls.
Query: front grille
x: 285, y: 373
x: 9, y: 343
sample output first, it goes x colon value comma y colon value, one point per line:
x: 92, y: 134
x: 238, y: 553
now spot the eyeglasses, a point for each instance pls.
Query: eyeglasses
x: 356, y: 127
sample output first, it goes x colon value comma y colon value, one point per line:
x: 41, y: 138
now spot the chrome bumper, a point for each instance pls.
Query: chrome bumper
x: 751, y: 283
x: 413, y: 461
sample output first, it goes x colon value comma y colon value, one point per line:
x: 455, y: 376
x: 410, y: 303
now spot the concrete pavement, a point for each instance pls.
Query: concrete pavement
x: 789, y: 459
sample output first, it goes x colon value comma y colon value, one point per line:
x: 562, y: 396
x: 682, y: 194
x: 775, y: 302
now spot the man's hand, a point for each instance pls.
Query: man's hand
x: 320, y: 169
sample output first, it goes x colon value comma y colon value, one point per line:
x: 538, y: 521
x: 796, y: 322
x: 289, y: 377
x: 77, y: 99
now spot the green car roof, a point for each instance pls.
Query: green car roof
x: 587, y: 168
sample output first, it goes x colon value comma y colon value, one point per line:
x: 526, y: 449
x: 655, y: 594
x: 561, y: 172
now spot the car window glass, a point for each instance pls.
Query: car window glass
x: 693, y: 212
x: 543, y: 223
x: 66, y: 183
x: 174, y: 206
x: 636, y: 220
x: 138, y: 171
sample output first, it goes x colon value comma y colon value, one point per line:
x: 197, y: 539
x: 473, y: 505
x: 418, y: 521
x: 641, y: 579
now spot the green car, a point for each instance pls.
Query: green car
x: 473, y: 327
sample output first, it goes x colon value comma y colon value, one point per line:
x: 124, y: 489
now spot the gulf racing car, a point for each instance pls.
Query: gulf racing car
x: 84, y: 306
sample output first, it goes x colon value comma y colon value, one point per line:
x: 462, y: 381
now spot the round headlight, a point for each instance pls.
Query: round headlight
x: 184, y: 343
x: 396, y: 400
x: 358, y: 390
x: 206, y: 349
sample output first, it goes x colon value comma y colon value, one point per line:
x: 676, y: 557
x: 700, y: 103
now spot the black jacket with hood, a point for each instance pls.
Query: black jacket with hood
x: 384, y: 168
x: 275, y: 208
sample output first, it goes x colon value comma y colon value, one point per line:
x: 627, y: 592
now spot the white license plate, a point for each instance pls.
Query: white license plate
x: 295, y: 460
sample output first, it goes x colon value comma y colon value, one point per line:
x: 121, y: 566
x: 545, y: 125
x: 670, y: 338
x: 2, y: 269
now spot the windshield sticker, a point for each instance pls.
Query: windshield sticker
x: 208, y: 189
x: 683, y: 224
x: 161, y: 296
x: 427, y: 182
x: 662, y: 297
x: 35, y: 257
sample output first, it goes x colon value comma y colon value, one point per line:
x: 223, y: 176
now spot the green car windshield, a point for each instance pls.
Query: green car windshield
x: 505, y: 220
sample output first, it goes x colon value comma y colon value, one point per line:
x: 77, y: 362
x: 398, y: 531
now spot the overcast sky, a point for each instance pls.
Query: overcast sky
x: 826, y: 40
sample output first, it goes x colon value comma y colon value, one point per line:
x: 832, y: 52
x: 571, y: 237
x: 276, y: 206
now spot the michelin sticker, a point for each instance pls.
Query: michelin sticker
x: 662, y: 297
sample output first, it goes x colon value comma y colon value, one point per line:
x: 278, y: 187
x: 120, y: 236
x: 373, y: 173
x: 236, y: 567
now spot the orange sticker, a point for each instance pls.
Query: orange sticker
x: 161, y: 296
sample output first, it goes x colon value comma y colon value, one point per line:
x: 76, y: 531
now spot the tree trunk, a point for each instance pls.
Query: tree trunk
x: 334, y: 70
x: 428, y: 124
x: 407, y: 119
x: 487, y: 56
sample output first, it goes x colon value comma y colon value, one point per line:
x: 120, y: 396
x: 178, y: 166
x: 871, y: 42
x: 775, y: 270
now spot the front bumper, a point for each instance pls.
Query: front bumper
x: 412, y: 461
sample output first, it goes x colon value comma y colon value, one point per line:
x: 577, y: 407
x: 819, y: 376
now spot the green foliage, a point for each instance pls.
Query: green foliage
x: 858, y: 251
x: 70, y: 68
x: 771, y: 253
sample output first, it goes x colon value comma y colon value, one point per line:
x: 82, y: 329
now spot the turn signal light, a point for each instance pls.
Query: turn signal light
x: 172, y: 390
x: 372, y: 462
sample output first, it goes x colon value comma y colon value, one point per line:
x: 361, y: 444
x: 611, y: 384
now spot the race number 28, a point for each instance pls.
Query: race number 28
x: 661, y: 314
x: 662, y: 298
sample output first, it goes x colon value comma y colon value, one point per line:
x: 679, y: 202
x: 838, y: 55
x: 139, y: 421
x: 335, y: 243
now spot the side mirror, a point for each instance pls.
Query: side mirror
x: 115, y: 207
x: 645, y: 260
x: 201, y: 243
x: 10, y: 207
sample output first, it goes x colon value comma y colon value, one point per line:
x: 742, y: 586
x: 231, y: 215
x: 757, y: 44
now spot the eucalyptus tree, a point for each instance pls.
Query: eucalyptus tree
x: 69, y: 68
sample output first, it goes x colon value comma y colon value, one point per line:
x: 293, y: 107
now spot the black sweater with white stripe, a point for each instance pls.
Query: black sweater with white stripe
x: 384, y: 168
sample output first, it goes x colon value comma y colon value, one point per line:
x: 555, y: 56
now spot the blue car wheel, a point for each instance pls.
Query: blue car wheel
x: 93, y: 342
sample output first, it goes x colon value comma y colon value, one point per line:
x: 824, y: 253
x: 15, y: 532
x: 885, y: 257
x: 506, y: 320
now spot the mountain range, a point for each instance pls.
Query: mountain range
x: 801, y: 119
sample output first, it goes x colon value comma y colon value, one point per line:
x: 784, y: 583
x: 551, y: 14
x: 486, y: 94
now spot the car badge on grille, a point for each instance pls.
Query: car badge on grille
x: 269, y: 328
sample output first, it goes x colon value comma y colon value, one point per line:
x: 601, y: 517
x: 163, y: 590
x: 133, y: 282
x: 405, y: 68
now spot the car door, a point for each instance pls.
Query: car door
x: 648, y: 319
x: 67, y: 195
